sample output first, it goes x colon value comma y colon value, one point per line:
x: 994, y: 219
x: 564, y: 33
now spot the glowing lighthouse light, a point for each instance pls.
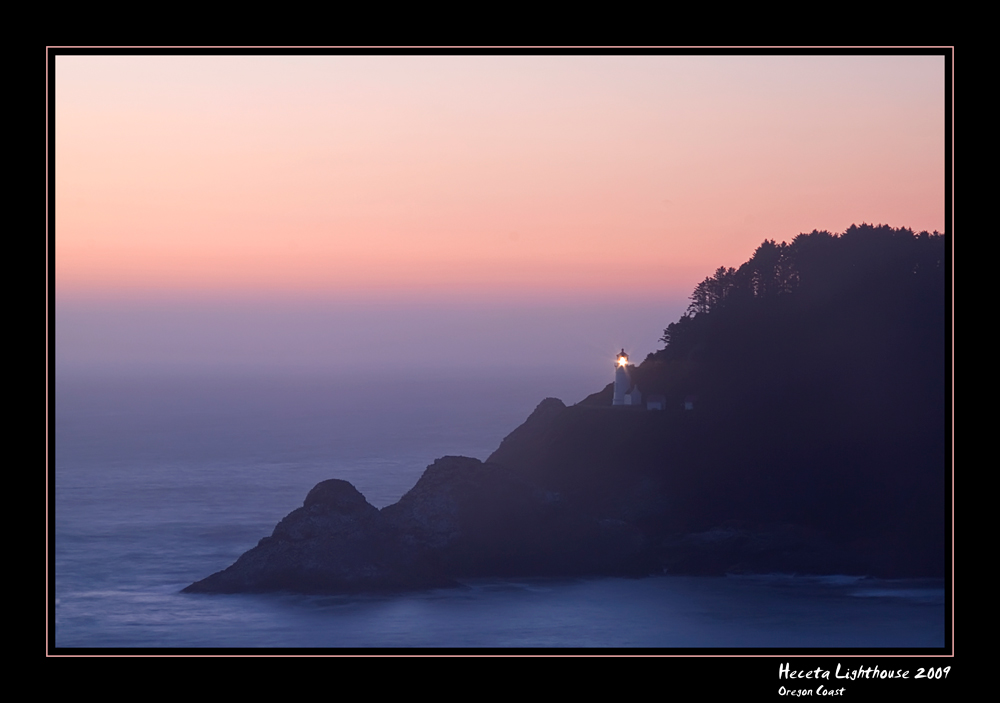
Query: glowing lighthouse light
x: 622, y: 381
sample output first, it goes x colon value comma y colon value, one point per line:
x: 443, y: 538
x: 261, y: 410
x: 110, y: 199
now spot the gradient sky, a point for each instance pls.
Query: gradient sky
x: 544, y: 188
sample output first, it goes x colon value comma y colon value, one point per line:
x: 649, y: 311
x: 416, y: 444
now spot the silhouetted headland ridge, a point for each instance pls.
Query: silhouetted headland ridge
x: 804, y: 430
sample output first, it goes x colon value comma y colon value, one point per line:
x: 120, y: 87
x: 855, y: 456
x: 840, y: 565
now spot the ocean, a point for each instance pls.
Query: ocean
x: 161, y: 480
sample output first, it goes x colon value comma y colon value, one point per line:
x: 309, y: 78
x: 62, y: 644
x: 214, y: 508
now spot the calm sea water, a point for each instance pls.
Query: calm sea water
x: 162, y: 481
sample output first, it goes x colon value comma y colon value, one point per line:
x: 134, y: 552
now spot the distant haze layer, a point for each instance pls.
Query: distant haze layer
x: 352, y: 338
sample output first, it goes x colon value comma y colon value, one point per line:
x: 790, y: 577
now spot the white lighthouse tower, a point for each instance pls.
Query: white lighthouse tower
x: 622, y: 382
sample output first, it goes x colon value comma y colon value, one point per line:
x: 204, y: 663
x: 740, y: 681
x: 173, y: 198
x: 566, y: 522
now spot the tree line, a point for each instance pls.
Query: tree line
x: 869, y: 260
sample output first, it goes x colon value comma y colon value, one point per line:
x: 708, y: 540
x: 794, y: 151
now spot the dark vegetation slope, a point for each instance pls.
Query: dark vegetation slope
x: 817, y: 372
x: 817, y: 443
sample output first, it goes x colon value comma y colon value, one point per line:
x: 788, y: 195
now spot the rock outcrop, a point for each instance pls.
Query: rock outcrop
x: 336, y: 542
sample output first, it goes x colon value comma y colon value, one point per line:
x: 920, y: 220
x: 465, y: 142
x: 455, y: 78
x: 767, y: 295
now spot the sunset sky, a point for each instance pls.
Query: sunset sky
x: 306, y: 205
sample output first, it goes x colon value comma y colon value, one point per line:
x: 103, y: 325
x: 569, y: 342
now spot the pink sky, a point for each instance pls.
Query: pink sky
x: 285, y: 212
x: 551, y: 176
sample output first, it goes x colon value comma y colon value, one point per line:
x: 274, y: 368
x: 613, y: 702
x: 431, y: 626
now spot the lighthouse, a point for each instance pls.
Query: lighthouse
x: 622, y: 382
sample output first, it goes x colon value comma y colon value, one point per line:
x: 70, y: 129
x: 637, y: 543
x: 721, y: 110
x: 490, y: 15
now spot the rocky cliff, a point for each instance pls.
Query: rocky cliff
x: 574, y: 491
x: 463, y: 518
x: 818, y: 444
